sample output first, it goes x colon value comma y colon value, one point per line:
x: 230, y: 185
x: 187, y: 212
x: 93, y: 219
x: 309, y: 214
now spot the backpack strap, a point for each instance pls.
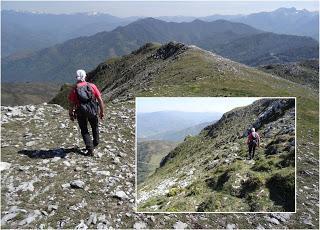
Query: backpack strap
x: 91, y: 90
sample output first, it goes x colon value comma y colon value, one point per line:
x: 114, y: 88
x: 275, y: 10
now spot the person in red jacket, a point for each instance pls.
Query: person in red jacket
x: 84, y: 100
x: 253, y: 141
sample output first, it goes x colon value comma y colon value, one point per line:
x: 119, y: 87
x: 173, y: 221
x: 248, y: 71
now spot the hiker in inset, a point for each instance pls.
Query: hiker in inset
x: 85, y: 105
x: 253, y: 141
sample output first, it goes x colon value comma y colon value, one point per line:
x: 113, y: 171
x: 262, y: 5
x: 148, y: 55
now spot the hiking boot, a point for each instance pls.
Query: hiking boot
x: 90, y: 152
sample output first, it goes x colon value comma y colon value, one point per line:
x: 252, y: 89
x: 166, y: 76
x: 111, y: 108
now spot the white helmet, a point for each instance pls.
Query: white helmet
x: 253, y: 130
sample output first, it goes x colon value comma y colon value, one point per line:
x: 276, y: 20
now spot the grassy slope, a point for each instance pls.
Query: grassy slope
x: 27, y: 93
x: 149, y: 155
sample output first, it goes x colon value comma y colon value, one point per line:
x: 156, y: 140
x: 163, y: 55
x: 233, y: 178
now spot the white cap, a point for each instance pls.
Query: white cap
x: 81, y: 75
x: 253, y: 130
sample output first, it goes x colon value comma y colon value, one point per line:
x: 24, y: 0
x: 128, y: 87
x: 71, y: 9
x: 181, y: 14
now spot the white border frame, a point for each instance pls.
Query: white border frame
x: 185, y: 212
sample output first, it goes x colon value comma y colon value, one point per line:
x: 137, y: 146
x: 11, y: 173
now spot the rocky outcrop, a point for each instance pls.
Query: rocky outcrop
x: 304, y: 72
x: 169, y: 50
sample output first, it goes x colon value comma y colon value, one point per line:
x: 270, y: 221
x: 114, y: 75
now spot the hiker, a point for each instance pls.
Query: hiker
x: 84, y: 100
x: 253, y: 141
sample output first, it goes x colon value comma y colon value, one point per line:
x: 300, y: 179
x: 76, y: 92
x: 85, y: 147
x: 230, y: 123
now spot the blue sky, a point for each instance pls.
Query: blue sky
x: 191, y: 104
x: 158, y: 8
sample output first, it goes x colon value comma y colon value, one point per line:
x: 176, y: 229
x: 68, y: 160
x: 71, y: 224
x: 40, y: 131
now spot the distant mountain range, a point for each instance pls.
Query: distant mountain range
x: 24, y: 32
x: 157, y: 123
x: 283, y: 21
x: 237, y: 41
x: 180, y: 135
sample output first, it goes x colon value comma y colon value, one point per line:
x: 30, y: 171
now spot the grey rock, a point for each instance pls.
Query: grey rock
x: 260, y: 227
x: 283, y: 217
x: 77, y: 184
x: 152, y: 218
x: 52, y: 207
x: 102, y: 226
x: 67, y: 163
x: 231, y: 226
x: 180, y: 225
x: 4, y: 166
x: 26, y: 186
x: 103, y: 173
x: 24, y: 168
x: 92, y: 219
x: 308, y: 221
x: 81, y: 226
x: 67, y: 185
x: 77, y: 169
x: 30, y: 143
x: 102, y: 218
x: 8, y: 217
x: 31, y: 108
x: 30, y: 218
x: 99, y: 154
x: 44, y: 213
x: 121, y: 195
x: 140, y: 225
x: 272, y: 220
x: 16, y: 112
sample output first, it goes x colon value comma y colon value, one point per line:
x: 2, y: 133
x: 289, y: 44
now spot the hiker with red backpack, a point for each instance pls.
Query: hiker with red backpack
x: 253, y: 141
x: 85, y: 105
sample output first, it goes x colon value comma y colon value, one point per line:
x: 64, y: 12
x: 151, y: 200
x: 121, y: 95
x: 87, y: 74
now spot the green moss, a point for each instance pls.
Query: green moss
x: 174, y: 191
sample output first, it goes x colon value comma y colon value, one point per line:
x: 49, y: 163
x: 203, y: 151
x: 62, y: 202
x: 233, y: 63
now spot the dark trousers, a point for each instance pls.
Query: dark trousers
x: 83, y: 124
x: 252, y: 149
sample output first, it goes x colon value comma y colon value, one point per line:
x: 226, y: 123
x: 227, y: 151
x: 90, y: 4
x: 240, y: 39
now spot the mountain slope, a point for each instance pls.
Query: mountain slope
x: 186, y: 71
x: 149, y: 155
x: 59, y: 62
x: 267, y: 48
x: 209, y: 172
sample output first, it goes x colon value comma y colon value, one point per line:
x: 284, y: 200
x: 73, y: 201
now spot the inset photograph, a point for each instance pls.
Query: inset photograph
x: 207, y: 154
